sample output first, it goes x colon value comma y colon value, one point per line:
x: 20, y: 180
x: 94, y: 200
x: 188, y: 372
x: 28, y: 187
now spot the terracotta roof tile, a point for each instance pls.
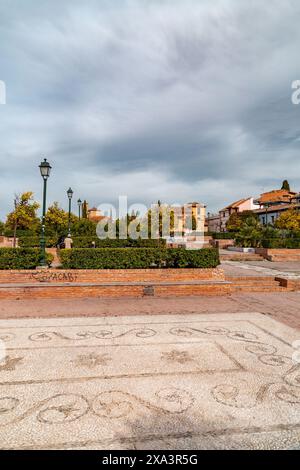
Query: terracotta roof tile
x: 235, y: 204
x: 277, y: 195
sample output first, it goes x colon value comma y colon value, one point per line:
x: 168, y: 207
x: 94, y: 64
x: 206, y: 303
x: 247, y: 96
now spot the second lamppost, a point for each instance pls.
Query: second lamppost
x: 79, y: 202
x: 70, y: 195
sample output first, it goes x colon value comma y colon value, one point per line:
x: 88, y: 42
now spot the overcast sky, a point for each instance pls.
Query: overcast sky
x: 177, y: 100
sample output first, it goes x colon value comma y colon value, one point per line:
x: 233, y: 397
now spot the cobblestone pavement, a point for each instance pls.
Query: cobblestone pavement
x: 149, y: 382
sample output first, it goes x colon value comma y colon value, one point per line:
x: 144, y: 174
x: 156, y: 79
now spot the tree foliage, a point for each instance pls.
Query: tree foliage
x: 84, y: 210
x: 237, y: 219
x: 285, y: 185
x: 56, y: 219
x: 250, y: 233
x: 289, y: 220
x: 24, y: 215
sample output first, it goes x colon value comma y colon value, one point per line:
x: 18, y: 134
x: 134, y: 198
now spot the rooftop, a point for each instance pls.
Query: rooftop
x: 236, y: 204
x: 277, y: 195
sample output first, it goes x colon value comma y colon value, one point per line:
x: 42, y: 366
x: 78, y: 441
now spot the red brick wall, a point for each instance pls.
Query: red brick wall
x: 279, y: 254
x: 109, y: 275
x: 79, y: 283
x: 130, y: 290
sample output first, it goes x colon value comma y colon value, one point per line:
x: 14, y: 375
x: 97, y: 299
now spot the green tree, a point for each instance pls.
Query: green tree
x: 2, y: 226
x: 237, y: 219
x: 24, y: 215
x: 56, y: 220
x: 234, y: 222
x: 84, y: 210
x: 289, y: 220
x: 285, y: 185
x: 250, y: 233
x: 194, y: 223
x: 160, y: 214
x: 84, y: 228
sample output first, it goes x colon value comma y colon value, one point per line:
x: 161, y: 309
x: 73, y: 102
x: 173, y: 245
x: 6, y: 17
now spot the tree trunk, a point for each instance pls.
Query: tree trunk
x: 15, y: 234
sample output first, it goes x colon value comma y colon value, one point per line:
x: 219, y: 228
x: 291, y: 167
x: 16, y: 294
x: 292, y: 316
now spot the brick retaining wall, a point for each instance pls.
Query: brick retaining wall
x: 57, y: 283
x: 129, y: 290
x: 279, y: 254
x: 109, y: 275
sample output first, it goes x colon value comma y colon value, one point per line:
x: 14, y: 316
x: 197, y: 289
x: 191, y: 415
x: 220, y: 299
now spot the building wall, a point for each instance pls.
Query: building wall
x: 213, y: 223
x: 7, y: 242
x: 183, y: 215
x: 247, y: 205
x: 270, y: 216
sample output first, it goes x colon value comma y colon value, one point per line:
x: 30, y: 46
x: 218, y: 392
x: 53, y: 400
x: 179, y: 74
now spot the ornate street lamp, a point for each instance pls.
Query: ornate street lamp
x: 45, y: 170
x: 70, y: 195
x: 79, y: 202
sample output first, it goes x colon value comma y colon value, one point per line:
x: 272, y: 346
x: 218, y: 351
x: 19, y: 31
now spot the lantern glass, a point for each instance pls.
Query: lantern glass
x: 45, y: 169
x: 70, y: 193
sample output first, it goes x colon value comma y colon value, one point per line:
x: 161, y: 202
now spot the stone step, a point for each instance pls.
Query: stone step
x: 247, y: 288
x: 113, y: 289
x: 253, y: 280
x: 241, y: 257
x: 282, y: 258
x: 250, y: 278
x: 247, y: 282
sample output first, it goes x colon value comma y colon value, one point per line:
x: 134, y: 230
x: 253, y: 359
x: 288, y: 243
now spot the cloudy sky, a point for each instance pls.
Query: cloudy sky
x: 176, y: 100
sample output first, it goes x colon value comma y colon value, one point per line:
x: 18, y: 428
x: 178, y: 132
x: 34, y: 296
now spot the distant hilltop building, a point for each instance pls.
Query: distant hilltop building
x: 268, y: 207
x: 95, y: 215
x: 273, y: 203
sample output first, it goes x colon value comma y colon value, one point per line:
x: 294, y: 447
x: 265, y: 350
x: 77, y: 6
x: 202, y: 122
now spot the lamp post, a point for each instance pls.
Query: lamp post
x: 70, y: 195
x: 45, y: 170
x: 79, y: 202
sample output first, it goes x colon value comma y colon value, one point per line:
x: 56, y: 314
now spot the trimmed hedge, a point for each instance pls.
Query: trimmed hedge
x: 86, y: 242
x: 138, y: 258
x: 291, y: 243
x: 34, y: 242
x: 21, y: 258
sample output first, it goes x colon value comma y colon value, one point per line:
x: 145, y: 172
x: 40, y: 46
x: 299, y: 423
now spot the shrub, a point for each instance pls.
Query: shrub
x: 20, y: 233
x: 86, y: 242
x: 21, y: 258
x: 138, y: 258
x: 34, y: 242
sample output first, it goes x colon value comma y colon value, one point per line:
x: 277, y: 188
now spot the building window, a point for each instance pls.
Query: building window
x: 273, y: 219
x: 264, y: 220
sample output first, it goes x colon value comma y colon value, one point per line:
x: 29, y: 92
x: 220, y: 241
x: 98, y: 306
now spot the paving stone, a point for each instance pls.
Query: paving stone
x: 149, y: 382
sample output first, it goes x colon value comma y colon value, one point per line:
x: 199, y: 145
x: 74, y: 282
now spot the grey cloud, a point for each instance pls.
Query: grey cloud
x: 189, y: 99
